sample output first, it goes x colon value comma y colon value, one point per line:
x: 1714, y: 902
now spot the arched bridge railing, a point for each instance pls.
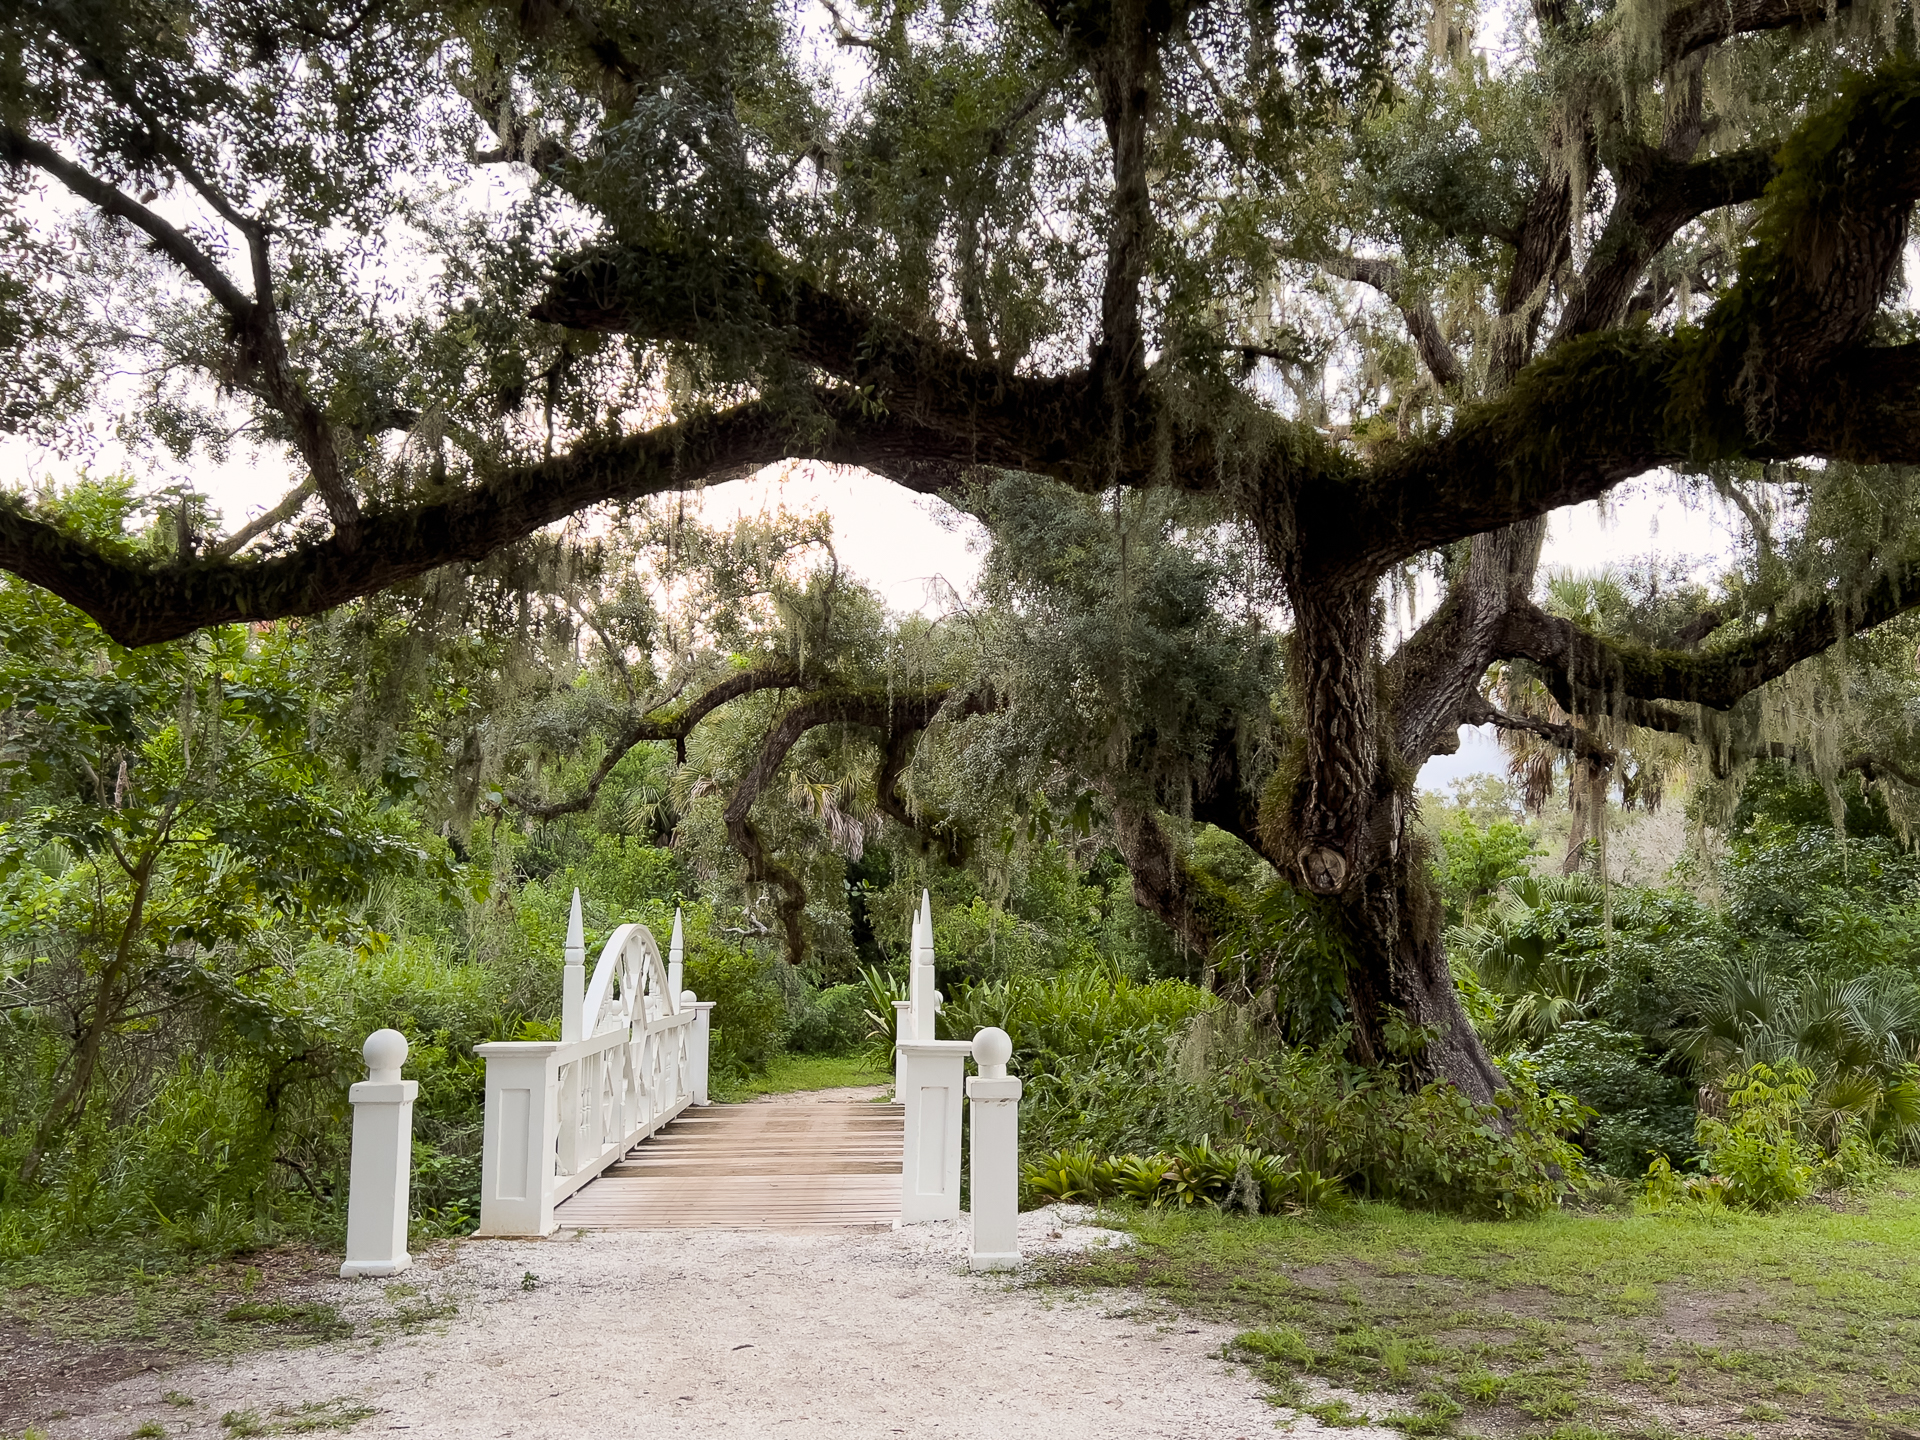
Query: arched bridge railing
x: 632, y: 1054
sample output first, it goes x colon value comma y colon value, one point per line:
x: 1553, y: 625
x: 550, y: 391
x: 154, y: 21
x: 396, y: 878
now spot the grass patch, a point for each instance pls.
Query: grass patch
x: 323, y: 1322
x: 1571, y: 1325
x: 121, y: 1303
x: 786, y: 1074
x: 313, y: 1417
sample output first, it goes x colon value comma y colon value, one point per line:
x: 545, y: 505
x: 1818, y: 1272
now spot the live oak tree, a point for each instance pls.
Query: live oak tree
x: 1373, y: 290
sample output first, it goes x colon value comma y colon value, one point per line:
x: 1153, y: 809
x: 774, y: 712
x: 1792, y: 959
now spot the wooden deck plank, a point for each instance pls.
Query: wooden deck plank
x: 754, y: 1167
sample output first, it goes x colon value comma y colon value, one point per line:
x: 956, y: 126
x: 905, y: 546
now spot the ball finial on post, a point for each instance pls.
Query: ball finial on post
x: 385, y: 1052
x: 992, y: 1048
x: 381, y: 1168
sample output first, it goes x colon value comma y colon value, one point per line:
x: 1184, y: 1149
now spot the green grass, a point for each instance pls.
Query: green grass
x: 105, y: 1297
x: 789, y: 1073
x: 1573, y: 1325
x: 315, y: 1416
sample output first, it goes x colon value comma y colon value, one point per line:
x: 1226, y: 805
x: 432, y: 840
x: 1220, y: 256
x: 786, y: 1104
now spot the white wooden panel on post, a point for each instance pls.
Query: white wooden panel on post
x: 632, y: 1055
x: 994, y: 1099
x: 928, y: 1075
x: 382, y: 1165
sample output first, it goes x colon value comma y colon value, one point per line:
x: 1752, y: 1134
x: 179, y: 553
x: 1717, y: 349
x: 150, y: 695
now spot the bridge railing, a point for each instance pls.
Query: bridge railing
x: 632, y: 1054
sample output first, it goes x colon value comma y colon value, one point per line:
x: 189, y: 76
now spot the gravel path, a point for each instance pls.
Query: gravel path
x: 722, y: 1334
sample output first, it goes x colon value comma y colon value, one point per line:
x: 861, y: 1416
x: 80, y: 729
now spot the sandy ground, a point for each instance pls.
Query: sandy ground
x: 728, y: 1333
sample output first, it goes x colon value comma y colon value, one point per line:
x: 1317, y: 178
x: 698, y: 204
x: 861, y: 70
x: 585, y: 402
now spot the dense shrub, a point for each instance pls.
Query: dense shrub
x: 1640, y: 1110
x: 1125, y: 1076
x: 749, y: 1013
x: 1430, y: 1147
x: 829, y: 1021
x: 1773, y: 1146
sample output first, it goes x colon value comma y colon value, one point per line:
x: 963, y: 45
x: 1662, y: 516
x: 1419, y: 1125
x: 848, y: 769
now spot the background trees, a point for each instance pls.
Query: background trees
x: 1298, y: 303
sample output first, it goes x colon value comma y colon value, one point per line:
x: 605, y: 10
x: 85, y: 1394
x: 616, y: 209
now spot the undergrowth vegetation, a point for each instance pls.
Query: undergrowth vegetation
x: 225, y: 860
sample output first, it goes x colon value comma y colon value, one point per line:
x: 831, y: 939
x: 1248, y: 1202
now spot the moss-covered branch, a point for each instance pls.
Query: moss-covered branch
x: 870, y: 709
x: 1585, y: 670
x: 673, y: 722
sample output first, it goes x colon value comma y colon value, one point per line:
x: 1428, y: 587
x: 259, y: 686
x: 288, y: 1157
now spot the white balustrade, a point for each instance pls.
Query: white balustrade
x: 632, y: 1055
x: 993, y: 1098
x: 928, y: 1076
x: 382, y: 1165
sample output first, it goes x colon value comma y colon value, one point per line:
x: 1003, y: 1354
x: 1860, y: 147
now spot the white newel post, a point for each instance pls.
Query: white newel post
x: 699, y: 1041
x: 522, y: 1128
x: 382, y: 1164
x: 928, y: 1079
x: 995, y: 1154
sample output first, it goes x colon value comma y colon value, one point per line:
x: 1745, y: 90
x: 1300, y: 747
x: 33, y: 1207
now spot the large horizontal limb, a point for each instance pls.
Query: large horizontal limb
x: 665, y: 722
x: 1061, y: 425
x: 1695, y: 26
x: 1037, y: 423
x: 1781, y: 365
x: 1585, y: 670
x: 1579, y: 422
x: 138, y: 602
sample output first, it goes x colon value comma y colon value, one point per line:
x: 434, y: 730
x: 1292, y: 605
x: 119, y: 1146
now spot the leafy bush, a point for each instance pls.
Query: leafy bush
x: 1097, y: 1051
x: 827, y: 1022
x: 1322, y: 1122
x: 1431, y: 1147
x: 749, y: 1013
x: 1639, y: 1110
x: 1470, y: 862
x: 1766, y: 1152
x: 1757, y: 1150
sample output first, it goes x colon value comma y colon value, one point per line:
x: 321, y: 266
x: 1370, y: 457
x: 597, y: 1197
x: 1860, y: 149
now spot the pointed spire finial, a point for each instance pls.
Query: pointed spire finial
x: 573, y: 978
x: 676, y: 962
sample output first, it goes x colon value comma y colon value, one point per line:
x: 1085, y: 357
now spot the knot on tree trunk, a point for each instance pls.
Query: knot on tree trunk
x: 1325, y: 869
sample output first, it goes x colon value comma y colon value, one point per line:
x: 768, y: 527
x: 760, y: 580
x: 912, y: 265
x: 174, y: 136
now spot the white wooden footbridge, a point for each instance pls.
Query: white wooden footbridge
x: 610, y: 1127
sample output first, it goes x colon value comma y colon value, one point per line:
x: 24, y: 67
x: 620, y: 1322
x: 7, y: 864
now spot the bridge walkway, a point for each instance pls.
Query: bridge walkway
x: 785, y: 1164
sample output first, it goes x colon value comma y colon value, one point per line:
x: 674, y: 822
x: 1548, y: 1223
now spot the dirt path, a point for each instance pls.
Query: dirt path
x: 723, y: 1334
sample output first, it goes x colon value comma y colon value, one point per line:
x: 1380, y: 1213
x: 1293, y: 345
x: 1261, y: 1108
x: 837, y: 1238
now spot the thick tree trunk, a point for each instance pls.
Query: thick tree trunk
x: 1400, y: 968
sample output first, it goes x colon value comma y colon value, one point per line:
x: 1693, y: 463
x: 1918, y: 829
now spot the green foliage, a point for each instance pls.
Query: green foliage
x: 1236, y: 1178
x: 1471, y: 861
x: 749, y: 1014
x: 1074, y: 1175
x: 832, y: 1021
x: 1306, y: 1122
x: 1771, y: 1148
x: 1431, y: 1147
x: 1287, y: 953
x: 1640, y: 1111
x: 1757, y: 1150
x: 1535, y: 945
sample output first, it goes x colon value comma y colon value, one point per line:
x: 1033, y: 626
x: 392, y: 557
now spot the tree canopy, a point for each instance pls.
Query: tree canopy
x: 1230, y: 320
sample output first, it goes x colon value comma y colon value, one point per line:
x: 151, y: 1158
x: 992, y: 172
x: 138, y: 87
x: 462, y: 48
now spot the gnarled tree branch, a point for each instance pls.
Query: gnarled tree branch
x: 673, y: 723
x: 873, y: 710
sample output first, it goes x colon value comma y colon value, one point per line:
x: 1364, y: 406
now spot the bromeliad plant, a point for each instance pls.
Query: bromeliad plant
x: 1236, y: 1178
